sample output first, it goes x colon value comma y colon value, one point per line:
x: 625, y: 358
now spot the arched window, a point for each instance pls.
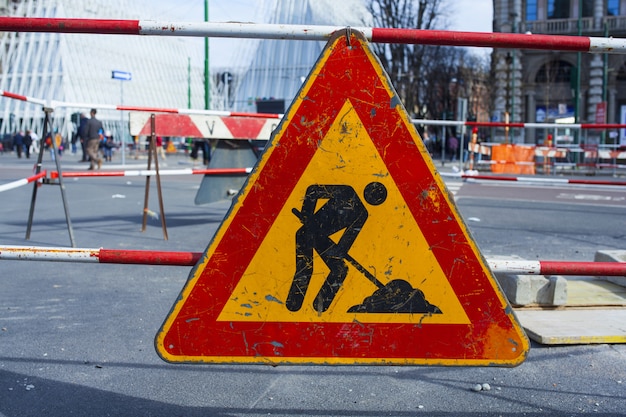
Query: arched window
x: 621, y: 75
x: 555, y: 72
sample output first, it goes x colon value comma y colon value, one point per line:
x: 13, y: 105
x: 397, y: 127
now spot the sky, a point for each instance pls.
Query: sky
x: 463, y: 15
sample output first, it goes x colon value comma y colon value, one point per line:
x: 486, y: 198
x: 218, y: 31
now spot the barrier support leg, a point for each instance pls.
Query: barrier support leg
x: 153, y: 152
x: 47, y: 127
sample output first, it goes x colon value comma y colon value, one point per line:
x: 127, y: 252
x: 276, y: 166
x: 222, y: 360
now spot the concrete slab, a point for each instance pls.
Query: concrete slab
x: 612, y: 256
x: 574, y: 326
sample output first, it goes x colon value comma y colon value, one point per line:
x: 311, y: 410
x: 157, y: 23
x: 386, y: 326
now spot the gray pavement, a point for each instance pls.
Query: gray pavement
x: 77, y: 339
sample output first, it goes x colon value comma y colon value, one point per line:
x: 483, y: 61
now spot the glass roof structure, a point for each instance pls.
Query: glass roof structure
x: 78, y: 68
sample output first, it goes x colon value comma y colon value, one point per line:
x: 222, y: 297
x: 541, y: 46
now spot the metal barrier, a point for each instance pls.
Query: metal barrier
x: 312, y: 33
x: 168, y: 258
x: 532, y: 159
x: 477, y: 318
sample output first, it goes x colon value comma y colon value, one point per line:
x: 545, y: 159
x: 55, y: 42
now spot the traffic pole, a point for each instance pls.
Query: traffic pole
x: 313, y: 33
x: 168, y: 258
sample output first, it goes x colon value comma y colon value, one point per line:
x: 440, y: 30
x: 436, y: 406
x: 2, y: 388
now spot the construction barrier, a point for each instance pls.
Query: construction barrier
x: 149, y: 172
x: 313, y: 33
x: 167, y: 258
x: 501, y: 325
x: 531, y: 159
x: 512, y: 159
x: 541, y: 180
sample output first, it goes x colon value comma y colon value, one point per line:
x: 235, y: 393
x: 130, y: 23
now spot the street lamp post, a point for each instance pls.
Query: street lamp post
x: 122, y: 76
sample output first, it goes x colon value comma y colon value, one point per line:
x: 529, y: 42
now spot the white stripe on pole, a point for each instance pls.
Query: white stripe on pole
x: 12, y: 185
x: 147, y: 172
x: 521, y: 267
x: 23, y: 253
x: 243, y: 30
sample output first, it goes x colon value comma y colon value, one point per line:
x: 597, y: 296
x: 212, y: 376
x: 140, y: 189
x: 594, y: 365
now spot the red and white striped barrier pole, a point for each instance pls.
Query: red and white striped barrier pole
x: 597, y: 126
x: 312, y: 32
x: 104, y: 256
x: 22, y: 98
x: 148, y: 257
x: 150, y: 172
x: 224, y: 113
x: 55, y: 104
x: 542, y: 180
x: 220, y: 113
x: 521, y: 267
x: 19, y: 183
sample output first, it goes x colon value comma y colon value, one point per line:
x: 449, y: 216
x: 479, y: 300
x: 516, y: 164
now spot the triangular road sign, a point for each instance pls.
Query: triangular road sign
x: 344, y: 246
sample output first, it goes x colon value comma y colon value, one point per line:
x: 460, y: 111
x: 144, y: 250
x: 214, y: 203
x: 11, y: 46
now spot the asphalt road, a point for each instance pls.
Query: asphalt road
x: 77, y: 339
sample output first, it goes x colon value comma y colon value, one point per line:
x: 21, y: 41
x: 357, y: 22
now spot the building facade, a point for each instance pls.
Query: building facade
x: 552, y: 86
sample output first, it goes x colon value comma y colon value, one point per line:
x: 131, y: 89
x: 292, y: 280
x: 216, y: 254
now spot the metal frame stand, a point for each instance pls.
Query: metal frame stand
x: 153, y: 151
x: 47, y: 127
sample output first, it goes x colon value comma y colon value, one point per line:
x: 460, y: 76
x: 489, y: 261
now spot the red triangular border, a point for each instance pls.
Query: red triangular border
x: 191, y: 332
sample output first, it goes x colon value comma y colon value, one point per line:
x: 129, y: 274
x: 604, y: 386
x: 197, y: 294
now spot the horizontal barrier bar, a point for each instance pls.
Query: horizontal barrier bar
x: 148, y: 172
x: 19, y: 183
x: 54, y: 104
x: 246, y: 171
x: 313, y: 32
x: 223, y: 113
x: 542, y: 180
x: 147, y: 257
x: 22, y: 98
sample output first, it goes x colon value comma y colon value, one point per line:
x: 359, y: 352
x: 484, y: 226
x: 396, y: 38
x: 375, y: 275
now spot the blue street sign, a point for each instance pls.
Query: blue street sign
x: 121, y: 75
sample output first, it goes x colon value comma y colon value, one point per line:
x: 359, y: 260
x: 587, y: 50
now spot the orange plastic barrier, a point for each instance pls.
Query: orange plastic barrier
x: 513, y: 159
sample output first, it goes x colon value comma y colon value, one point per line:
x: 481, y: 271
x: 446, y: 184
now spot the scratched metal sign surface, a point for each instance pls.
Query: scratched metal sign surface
x: 343, y: 247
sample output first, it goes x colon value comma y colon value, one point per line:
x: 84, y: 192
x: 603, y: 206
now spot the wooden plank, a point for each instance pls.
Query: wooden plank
x: 590, y: 291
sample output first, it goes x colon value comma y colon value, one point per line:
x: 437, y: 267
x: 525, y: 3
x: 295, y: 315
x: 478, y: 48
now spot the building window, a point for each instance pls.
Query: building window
x: 612, y: 8
x: 558, y: 9
x: 554, y: 72
x: 531, y: 10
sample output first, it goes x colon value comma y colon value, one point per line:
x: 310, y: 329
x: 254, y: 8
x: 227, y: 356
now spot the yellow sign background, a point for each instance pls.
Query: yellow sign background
x: 390, y: 245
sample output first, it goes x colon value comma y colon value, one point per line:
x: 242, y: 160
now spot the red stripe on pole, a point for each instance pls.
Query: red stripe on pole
x: 15, y: 96
x: 142, y: 257
x: 583, y: 268
x: 55, y: 174
x: 261, y: 115
x: 148, y: 109
x: 36, y: 177
x: 222, y: 171
x: 596, y: 182
x: 41, y: 24
x: 481, y: 39
x: 602, y: 126
x: 542, y: 180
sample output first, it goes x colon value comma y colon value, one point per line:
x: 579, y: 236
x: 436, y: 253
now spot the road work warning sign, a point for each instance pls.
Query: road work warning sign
x: 344, y: 246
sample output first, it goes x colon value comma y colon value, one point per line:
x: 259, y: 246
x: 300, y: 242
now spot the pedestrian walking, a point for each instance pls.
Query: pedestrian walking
x: 93, y: 130
x: 18, y: 143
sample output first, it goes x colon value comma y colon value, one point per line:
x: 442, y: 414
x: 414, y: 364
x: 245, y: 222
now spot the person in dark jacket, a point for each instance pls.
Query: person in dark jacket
x: 18, y: 143
x: 93, y: 131
x: 82, y: 135
x: 28, y: 140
